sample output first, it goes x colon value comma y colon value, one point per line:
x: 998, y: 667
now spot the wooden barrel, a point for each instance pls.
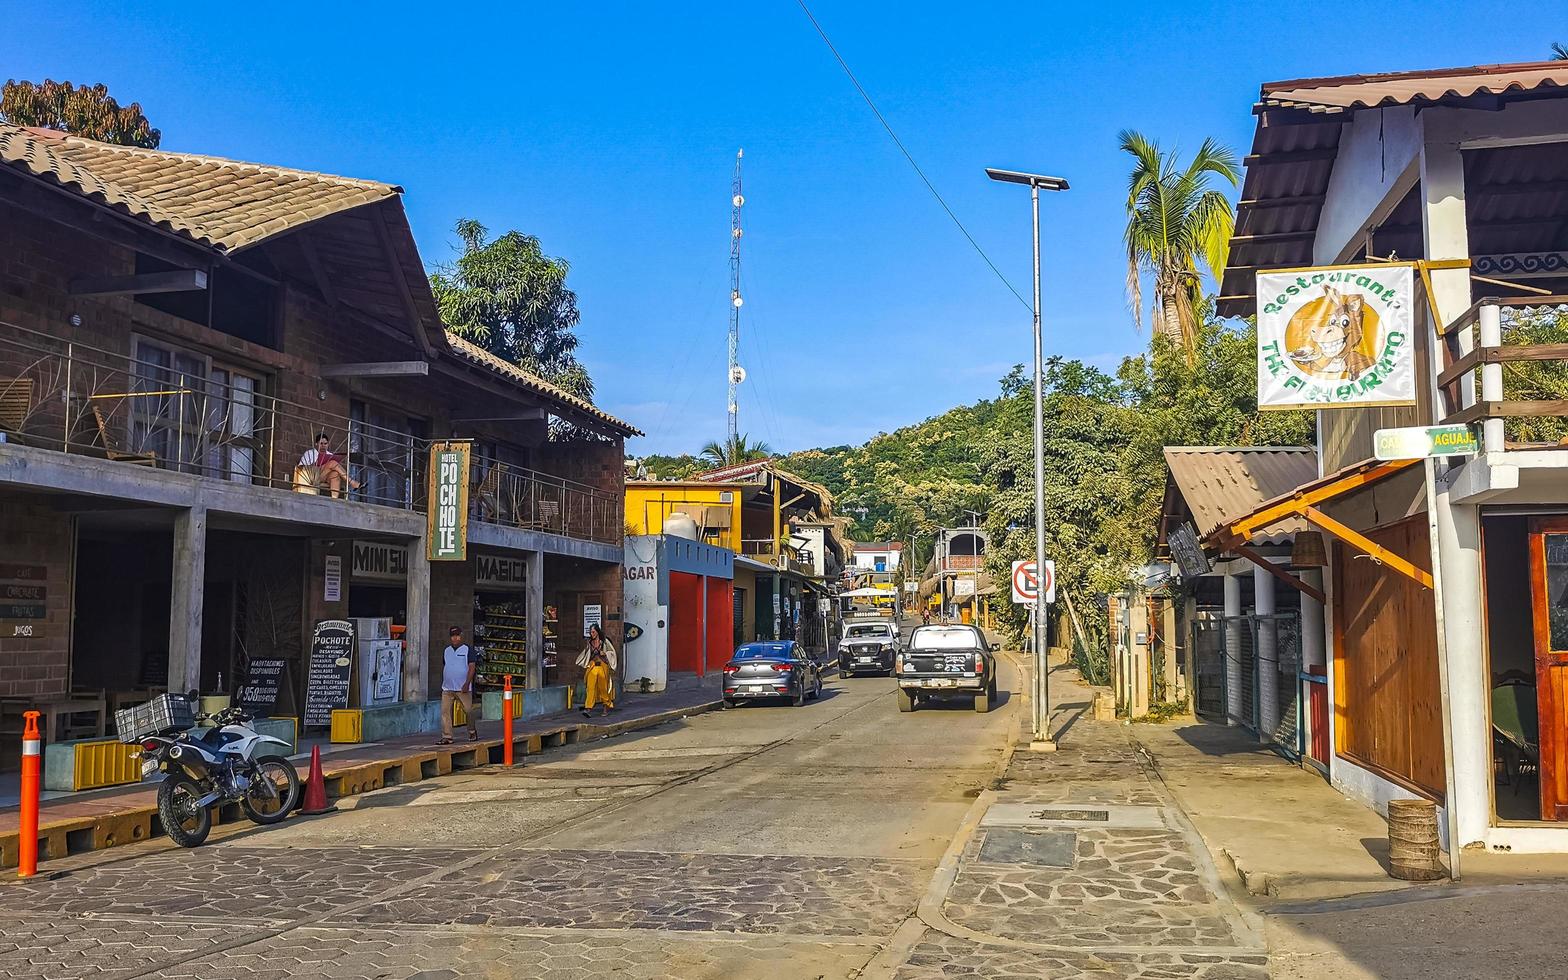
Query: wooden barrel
x: 1412, y: 840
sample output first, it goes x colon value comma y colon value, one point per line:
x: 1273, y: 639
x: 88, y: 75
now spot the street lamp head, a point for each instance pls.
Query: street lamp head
x: 1033, y: 180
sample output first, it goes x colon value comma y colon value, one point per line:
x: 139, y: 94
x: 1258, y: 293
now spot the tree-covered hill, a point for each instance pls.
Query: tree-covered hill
x: 1105, y: 471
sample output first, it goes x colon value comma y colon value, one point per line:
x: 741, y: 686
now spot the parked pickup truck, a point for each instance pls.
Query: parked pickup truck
x: 944, y: 662
x: 869, y: 646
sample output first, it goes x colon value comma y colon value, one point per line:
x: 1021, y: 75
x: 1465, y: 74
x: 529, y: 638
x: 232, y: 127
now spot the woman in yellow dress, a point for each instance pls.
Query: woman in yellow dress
x: 599, y: 662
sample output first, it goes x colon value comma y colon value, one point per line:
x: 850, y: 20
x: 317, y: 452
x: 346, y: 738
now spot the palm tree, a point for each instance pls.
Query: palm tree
x: 734, y: 450
x: 1559, y: 51
x: 1174, y: 220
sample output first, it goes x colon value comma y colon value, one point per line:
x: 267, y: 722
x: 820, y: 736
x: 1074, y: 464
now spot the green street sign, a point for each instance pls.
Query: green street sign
x: 1419, y: 442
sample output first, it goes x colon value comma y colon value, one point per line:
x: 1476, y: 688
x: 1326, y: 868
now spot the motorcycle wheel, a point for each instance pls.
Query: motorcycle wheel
x: 186, y: 823
x: 263, y: 808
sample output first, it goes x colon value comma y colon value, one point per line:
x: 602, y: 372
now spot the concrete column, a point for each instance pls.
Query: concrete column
x: 1232, y: 645
x: 534, y: 596
x: 1457, y: 527
x: 1469, y: 688
x: 1314, y: 640
x: 416, y: 638
x: 1267, y: 653
x: 186, y: 593
x: 1173, y: 650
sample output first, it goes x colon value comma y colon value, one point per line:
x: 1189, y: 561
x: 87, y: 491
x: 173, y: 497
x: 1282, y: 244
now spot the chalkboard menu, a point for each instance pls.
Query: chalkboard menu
x: 330, y: 669
x: 263, y: 680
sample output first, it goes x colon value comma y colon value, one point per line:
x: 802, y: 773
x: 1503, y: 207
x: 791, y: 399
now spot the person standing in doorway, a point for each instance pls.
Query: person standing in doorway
x: 459, y: 665
x: 598, y: 661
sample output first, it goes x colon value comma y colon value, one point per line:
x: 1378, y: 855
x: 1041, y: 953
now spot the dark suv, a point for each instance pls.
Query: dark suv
x: 946, y: 661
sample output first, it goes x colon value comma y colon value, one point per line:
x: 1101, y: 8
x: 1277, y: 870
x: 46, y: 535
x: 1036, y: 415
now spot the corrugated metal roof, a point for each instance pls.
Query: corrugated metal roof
x: 534, y: 383
x: 1297, y: 140
x: 1349, y: 92
x: 222, y: 204
x: 1222, y: 483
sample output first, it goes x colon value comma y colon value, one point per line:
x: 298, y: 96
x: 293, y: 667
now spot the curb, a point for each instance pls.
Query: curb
x: 68, y: 836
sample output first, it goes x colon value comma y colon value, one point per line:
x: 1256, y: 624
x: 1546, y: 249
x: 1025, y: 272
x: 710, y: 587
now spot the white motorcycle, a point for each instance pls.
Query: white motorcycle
x: 228, y: 763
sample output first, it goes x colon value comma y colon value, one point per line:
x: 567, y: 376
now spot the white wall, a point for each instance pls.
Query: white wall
x: 648, y: 655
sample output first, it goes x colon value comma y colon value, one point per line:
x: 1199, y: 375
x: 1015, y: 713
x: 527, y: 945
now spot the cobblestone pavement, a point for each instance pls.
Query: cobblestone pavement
x: 760, y: 843
x: 707, y: 892
x: 1110, y: 896
x: 939, y: 957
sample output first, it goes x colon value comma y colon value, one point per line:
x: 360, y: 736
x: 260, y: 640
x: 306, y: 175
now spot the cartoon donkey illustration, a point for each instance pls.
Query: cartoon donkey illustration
x: 1332, y: 339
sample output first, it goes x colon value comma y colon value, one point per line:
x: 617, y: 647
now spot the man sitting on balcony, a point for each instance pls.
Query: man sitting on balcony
x: 320, y: 468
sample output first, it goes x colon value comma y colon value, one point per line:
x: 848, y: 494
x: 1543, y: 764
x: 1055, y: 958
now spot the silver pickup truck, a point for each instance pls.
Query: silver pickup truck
x: 944, y: 662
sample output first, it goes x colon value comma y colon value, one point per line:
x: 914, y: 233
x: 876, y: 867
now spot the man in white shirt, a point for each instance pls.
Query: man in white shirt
x: 458, y: 665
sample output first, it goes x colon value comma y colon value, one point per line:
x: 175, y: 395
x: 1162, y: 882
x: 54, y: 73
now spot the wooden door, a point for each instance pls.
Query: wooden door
x: 1549, y: 595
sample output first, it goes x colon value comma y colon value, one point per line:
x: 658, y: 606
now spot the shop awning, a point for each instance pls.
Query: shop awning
x: 1303, y: 502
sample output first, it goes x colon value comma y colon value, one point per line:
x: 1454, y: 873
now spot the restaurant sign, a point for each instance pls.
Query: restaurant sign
x: 1419, y: 442
x: 446, y: 532
x: 1336, y: 337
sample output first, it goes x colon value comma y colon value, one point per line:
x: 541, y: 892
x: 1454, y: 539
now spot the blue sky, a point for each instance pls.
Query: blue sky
x: 609, y: 130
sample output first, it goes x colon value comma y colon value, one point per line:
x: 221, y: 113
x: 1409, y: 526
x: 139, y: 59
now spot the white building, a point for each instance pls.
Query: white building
x: 877, y: 556
x: 1461, y: 615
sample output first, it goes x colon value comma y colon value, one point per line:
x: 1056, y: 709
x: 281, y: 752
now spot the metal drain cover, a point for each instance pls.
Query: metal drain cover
x: 1050, y: 848
x: 1064, y: 816
x: 1100, y: 815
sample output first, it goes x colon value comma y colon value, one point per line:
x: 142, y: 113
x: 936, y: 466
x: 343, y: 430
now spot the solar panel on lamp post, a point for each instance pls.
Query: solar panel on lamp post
x: 1042, y: 740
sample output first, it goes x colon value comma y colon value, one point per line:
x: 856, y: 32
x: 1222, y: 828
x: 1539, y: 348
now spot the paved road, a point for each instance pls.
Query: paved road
x: 760, y: 841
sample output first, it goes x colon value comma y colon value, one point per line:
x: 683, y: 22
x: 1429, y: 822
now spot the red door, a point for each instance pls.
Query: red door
x: 686, y: 626
x: 1549, y: 595
x: 721, y: 622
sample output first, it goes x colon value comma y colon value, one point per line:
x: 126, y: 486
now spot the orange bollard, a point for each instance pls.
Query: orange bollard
x: 27, y: 832
x: 506, y: 722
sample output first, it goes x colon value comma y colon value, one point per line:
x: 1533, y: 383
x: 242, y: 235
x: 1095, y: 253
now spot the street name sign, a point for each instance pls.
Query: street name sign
x: 1027, y: 582
x: 1420, y: 442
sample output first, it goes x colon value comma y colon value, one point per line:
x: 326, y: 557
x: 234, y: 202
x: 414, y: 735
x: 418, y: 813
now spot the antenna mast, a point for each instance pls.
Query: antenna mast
x: 737, y: 374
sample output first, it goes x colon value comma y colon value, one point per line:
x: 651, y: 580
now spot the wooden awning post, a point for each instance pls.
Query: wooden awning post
x: 1248, y: 553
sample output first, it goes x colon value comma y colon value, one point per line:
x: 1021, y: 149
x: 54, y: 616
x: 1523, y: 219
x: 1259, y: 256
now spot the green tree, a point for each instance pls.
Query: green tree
x: 1559, y: 51
x: 1175, y: 221
x: 510, y: 298
x: 733, y: 451
x: 672, y: 467
x: 87, y: 110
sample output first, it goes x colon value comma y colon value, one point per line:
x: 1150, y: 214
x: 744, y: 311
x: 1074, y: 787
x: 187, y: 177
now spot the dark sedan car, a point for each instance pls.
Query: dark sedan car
x: 771, y: 670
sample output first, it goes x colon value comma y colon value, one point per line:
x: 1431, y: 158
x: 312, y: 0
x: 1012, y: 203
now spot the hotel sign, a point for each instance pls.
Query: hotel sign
x: 446, y: 532
x: 1336, y: 337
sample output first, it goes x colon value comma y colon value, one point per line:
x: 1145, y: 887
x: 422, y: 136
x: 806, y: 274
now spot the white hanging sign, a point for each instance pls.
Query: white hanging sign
x: 1336, y: 337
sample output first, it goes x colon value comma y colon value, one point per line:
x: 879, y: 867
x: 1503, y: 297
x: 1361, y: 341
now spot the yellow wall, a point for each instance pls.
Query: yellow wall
x: 647, y: 505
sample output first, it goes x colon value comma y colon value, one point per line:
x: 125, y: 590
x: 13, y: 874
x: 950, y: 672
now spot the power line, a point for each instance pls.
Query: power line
x: 907, y: 155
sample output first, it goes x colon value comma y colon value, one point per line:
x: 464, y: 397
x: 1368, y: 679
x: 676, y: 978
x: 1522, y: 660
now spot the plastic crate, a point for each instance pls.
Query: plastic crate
x: 166, y: 712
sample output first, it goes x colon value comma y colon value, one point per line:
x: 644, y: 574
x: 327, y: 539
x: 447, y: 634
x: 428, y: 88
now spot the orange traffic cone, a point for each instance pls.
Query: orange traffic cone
x: 315, y: 788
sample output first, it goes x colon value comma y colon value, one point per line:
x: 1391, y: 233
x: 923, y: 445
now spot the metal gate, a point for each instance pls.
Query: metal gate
x: 1262, y: 668
x: 1208, y: 654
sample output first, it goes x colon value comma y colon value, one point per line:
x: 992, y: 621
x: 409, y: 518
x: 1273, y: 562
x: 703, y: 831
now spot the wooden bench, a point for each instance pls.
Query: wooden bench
x: 112, y: 447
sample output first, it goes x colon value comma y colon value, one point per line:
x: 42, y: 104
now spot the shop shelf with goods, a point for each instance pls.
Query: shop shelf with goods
x: 501, y: 637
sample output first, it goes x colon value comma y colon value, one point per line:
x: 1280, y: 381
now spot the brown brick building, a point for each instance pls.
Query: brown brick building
x: 174, y: 332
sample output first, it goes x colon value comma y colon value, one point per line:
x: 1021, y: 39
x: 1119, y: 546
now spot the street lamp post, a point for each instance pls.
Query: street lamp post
x: 1042, y: 740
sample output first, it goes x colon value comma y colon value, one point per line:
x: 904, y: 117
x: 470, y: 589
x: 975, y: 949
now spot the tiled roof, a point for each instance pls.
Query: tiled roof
x: 1343, y: 92
x: 1222, y: 483
x: 532, y: 382
x: 223, y: 204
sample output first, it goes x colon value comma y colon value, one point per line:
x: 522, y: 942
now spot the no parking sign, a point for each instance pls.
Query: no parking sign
x: 1027, y: 582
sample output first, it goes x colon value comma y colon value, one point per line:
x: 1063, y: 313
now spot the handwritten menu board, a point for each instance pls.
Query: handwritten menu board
x: 330, y: 670
x: 263, y: 681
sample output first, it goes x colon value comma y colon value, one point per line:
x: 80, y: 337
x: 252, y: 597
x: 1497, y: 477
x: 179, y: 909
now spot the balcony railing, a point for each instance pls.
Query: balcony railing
x: 175, y: 411
x: 182, y: 414
x: 515, y: 496
x: 767, y: 550
x: 954, y: 563
x: 1506, y: 367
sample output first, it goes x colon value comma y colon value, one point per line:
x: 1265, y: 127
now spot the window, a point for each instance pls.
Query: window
x: 381, y: 454
x: 195, y: 416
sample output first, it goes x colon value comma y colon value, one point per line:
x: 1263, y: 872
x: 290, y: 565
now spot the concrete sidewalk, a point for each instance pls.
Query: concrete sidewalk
x: 123, y: 815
